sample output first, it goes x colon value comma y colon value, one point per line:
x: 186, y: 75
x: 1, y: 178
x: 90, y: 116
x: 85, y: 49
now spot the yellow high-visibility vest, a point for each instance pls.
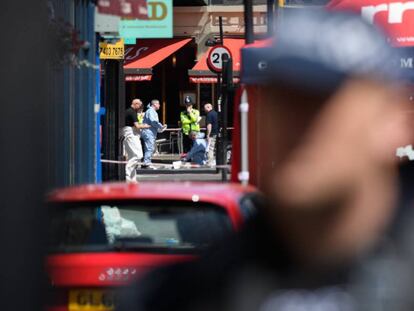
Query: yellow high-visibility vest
x: 140, y: 117
x: 189, y: 121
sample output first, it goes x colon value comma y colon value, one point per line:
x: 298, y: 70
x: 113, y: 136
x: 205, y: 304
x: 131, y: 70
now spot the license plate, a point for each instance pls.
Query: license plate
x: 91, y: 300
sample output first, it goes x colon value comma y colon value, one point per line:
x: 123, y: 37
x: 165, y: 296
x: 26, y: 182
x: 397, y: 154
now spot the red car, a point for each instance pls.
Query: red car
x: 104, y: 236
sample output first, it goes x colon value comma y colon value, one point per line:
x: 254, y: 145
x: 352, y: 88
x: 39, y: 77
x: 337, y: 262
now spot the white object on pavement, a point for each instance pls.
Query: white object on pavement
x: 176, y: 165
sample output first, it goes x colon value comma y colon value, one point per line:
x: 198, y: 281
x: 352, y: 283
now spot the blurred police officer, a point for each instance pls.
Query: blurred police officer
x: 331, y: 119
x: 190, y: 119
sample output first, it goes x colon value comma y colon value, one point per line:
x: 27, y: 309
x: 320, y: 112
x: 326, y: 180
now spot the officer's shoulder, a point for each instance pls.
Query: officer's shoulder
x: 202, y: 279
x: 166, y: 288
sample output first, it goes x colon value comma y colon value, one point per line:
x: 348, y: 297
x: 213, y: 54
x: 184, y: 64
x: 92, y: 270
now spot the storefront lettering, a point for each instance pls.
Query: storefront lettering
x: 407, y: 63
x: 137, y: 52
x: 395, y: 11
x: 157, y: 11
x: 124, y: 8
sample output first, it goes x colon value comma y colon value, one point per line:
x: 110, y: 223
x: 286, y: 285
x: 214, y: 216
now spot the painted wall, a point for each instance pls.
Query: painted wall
x: 72, y: 77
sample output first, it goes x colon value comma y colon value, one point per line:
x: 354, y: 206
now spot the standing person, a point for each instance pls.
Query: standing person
x: 197, y: 154
x: 132, y: 141
x: 331, y: 119
x: 212, y: 132
x: 150, y: 133
x: 190, y: 119
x: 141, y: 114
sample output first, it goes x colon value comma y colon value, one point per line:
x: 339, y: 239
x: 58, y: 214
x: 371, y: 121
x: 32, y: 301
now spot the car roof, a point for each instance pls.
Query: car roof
x: 217, y: 193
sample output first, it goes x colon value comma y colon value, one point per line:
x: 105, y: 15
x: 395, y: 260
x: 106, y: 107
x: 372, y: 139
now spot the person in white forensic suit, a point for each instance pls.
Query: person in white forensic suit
x: 149, y: 135
x: 132, y: 142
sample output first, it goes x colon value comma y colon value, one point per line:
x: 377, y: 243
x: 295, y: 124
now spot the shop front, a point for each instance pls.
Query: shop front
x: 157, y: 69
x: 206, y: 81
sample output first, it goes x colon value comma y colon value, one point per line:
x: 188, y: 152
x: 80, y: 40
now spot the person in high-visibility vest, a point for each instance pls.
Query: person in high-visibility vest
x: 190, y: 119
x: 140, y: 115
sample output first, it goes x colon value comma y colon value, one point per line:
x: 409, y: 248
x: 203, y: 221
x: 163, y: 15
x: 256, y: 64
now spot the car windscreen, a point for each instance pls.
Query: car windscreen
x: 148, y: 226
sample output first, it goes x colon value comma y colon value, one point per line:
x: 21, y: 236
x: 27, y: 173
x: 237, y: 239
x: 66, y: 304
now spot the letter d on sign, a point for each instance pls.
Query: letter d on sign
x: 162, y: 11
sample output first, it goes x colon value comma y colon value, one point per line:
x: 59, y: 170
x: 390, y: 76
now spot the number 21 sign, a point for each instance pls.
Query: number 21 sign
x: 215, y: 58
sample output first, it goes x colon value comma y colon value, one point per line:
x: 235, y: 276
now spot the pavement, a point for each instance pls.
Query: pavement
x: 165, y: 158
x: 181, y: 177
x: 171, y: 171
x: 182, y: 174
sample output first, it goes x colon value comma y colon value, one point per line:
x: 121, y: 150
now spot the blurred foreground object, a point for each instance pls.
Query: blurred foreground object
x: 330, y: 116
x: 23, y: 158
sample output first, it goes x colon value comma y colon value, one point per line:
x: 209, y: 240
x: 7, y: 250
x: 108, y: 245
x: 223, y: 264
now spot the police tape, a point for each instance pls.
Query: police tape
x: 161, y: 165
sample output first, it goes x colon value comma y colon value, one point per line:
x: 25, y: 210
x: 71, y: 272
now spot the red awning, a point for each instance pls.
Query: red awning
x: 136, y: 78
x: 143, y: 56
x: 200, y: 72
x: 396, y: 17
x: 205, y: 79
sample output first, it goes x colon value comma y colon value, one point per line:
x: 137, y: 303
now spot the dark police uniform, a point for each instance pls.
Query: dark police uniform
x: 253, y: 270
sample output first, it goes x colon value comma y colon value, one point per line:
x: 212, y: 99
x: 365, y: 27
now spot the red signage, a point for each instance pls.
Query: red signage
x: 396, y: 17
x: 136, y: 9
x: 135, y: 78
x: 215, y: 58
x: 209, y: 80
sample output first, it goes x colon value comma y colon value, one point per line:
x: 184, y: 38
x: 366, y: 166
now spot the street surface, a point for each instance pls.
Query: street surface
x: 180, y: 177
x: 184, y: 174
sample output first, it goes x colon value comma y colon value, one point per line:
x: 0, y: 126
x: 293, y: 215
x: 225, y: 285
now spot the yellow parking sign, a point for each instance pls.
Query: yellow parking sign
x: 112, y: 51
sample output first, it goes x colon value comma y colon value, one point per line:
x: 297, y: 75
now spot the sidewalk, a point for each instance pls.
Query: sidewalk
x: 161, y: 170
x: 181, y: 174
x: 166, y: 158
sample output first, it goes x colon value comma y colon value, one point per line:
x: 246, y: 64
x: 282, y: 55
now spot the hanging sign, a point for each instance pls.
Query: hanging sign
x: 157, y: 24
x: 215, y: 58
x: 124, y: 8
x: 112, y: 50
x: 396, y: 17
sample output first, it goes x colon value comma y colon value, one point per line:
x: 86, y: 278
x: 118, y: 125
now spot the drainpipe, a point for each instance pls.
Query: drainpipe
x: 248, y: 21
x: 244, y: 174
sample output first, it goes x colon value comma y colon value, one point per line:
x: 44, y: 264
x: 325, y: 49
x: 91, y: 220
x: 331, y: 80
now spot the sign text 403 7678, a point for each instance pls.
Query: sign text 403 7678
x: 112, y: 51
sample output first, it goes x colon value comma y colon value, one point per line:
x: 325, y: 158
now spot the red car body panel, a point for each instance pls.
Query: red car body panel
x: 89, y: 269
x: 104, y: 269
x: 224, y: 195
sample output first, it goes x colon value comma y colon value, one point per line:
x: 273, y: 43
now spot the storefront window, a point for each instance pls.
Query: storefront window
x: 206, y: 94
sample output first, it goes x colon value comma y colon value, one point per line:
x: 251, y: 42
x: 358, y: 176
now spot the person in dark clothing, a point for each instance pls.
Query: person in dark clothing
x: 331, y: 117
x: 212, y: 128
x: 132, y: 142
